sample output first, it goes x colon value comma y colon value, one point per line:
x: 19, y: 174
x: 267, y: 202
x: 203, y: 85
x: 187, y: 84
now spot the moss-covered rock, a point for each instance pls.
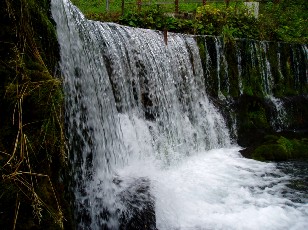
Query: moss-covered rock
x: 270, y: 152
x: 253, y: 120
x: 278, y: 148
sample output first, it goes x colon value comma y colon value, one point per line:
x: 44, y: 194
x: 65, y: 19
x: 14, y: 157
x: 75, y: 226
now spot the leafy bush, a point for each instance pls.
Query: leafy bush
x: 278, y: 21
x: 286, y: 21
x: 236, y: 21
x: 155, y: 19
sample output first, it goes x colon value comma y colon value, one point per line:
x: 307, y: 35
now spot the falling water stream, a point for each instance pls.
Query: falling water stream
x: 137, y: 112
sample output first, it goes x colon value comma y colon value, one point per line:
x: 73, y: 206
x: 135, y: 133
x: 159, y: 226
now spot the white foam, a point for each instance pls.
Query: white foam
x: 219, y: 189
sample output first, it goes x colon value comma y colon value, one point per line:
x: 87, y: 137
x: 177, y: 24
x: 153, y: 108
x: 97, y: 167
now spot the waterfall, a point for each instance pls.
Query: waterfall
x: 125, y: 86
x: 145, y: 139
x: 239, y: 68
x: 279, y: 119
x: 221, y: 67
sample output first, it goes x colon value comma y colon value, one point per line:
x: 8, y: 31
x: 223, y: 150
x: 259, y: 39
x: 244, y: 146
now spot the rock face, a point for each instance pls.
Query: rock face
x: 139, y: 212
x: 260, y: 86
x: 279, y: 147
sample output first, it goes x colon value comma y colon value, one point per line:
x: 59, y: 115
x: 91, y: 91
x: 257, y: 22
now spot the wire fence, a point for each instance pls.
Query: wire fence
x: 122, y: 6
x: 175, y: 4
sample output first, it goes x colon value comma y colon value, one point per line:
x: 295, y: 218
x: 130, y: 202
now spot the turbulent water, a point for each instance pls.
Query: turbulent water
x: 138, y: 114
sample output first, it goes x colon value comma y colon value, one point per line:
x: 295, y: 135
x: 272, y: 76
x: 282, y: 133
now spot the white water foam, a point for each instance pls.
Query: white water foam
x: 219, y: 189
x: 215, y: 189
x: 279, y: 121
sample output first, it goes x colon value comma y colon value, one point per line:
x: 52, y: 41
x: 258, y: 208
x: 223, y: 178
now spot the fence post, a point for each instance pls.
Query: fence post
x: 139, y: 5
x: 176, y: 6
x: 122, y: 7
x: 165, y: 36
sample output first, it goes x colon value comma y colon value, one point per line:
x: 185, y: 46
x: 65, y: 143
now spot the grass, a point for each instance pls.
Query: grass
x: 115, y: 6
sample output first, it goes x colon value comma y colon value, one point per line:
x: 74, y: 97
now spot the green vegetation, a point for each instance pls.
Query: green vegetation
x: 98, y: 7
x: 246, y: 91
x: 32, y: 148
x: 284, y: 21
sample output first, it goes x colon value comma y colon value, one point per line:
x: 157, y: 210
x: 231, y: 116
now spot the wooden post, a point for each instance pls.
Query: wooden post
x: 227, y: 3
x: 204, y: 2
x: 122, y: 7
x: 139, y: 5
x: 176, y: 6
x: 166, y: 36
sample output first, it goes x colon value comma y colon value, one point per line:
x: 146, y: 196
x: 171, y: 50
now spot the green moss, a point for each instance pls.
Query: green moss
x: 248, y: 90
x: 270, y: 152
x: 271, y: 138
x: 286, y: 144
x: 258, y: 119
x: 300, y: 148
x: 233, y: 72
x: 252, y: 85
x: 280, y: 148
x: 210, y: 71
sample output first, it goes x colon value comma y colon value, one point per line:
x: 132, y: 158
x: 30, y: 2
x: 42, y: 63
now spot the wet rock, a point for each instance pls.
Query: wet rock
x: 278, y: 148
x: 140, y: 206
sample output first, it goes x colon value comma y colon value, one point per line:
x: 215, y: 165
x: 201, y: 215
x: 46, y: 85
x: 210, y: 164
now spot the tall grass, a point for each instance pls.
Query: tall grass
x: 33, y: 140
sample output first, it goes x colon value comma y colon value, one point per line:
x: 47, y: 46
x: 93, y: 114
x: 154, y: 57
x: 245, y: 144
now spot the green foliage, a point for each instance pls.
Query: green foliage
x: 228, y: 34
x: 89, y: 7
x: 231, y: 22
x: 152, y: 19
x: 155, y: 19
x: 236, y: 21
x: 94, y: 6
x: 285, y: 143
x: 286, y: 21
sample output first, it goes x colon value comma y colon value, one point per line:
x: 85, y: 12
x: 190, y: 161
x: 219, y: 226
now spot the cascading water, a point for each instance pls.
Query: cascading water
x: 142, y: 130
x: 239, y: 68
x: 222, y: 66
x: 260, y: 61
x: 279, y: 120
